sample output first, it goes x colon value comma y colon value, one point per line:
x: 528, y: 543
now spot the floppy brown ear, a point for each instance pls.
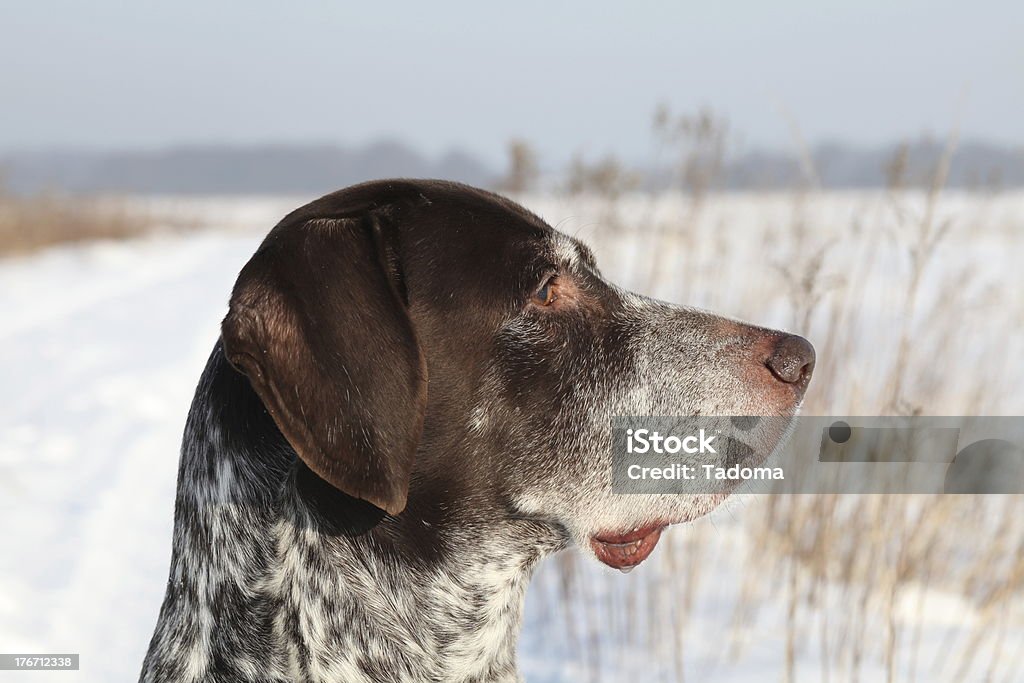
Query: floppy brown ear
x: 318, y: 324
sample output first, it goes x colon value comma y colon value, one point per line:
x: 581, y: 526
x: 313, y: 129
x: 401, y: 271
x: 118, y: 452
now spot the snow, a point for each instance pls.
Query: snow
x: 102, y: 345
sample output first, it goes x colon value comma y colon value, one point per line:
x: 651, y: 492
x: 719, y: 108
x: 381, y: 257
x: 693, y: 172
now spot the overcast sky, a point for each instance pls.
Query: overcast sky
x: 565, y: 75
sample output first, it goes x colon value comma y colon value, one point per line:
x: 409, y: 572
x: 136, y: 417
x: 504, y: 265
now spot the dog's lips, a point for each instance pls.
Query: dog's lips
x: 625, y: 551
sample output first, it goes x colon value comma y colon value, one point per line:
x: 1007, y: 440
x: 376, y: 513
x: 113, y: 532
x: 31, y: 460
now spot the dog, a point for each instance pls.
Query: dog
x: 407, y: 409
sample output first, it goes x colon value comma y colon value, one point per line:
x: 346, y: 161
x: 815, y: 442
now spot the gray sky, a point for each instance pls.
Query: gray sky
x: 565, y: 75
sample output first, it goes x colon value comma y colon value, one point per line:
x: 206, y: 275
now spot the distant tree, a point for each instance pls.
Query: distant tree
x: 523, y: 171
x: 697, y: 142
x: 607, y: 178
x: 896, y: 167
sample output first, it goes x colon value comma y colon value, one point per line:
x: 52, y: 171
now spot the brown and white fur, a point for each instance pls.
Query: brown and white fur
x: 409, y: 408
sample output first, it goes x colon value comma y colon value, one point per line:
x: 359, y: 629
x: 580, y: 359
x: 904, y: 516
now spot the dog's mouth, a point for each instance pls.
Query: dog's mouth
x: 625, y: 551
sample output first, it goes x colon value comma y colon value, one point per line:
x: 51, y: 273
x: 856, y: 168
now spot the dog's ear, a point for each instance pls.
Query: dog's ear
x: 318, y: 323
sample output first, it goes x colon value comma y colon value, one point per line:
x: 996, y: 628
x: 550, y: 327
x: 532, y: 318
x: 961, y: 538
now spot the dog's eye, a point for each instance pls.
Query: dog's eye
x: 547, y: 294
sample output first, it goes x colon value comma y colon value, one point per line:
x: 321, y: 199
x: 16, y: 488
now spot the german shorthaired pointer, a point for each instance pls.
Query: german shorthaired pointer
x: 408, y: 408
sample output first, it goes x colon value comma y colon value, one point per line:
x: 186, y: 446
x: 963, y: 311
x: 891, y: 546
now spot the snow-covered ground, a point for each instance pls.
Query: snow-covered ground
x: 100, y: 349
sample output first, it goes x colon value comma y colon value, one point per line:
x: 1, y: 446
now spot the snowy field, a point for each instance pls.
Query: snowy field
x: 101, y: 346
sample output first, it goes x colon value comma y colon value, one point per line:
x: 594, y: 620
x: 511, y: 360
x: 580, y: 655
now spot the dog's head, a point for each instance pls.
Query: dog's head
x: 428, y: 342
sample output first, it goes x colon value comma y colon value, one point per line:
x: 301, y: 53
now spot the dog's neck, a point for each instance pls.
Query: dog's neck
x: 455, y: 618
x: 275, y: 576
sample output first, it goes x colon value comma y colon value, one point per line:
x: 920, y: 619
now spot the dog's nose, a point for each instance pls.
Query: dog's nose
x: 792, y: 359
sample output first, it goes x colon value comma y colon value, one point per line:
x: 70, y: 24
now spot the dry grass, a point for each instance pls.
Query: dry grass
x: 30, y: 223
x: 883, y: 289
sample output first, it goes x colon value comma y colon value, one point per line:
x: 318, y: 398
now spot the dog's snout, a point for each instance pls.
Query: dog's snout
x: 792, y: 359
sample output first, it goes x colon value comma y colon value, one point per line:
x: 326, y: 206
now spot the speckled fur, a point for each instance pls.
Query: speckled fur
x: 259, y: 592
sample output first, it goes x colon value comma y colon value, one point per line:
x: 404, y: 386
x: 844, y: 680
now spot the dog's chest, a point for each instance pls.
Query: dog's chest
x: 352, y: 617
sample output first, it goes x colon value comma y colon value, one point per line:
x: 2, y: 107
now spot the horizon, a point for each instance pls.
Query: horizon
x: 274, y: 168
x: 922, y: 139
